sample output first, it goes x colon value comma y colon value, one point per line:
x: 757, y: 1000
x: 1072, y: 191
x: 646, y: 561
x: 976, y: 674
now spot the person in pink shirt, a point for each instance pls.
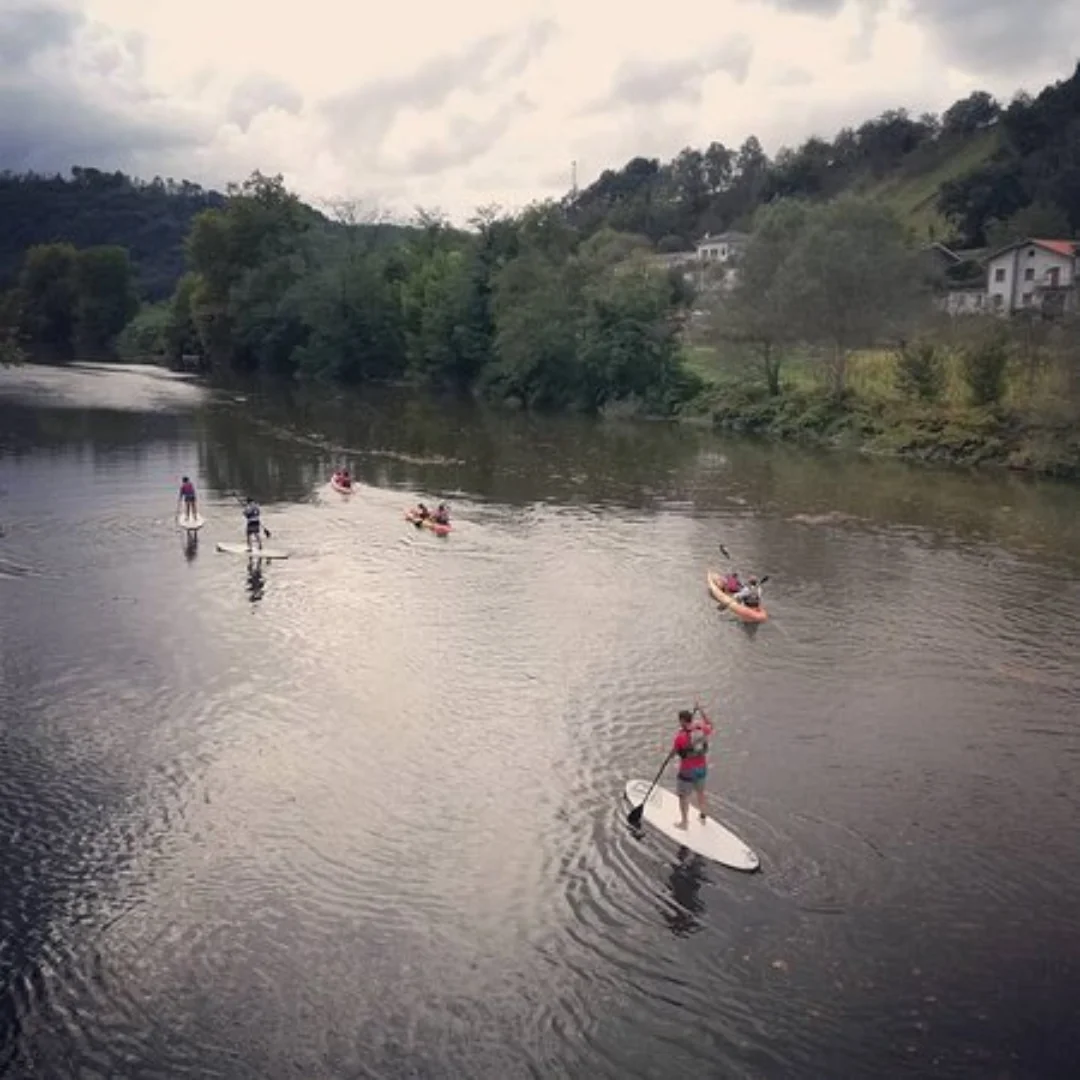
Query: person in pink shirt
x: 691, y: 745
x: 188, y: 500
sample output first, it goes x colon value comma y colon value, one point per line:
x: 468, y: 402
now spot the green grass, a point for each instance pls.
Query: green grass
x: 913, y: 195
x: 1035, y: 428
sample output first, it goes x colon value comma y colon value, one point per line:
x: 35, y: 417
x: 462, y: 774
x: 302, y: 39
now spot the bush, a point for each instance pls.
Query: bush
x: 144, y: 336
x: 984, y: 367
x: 920, y: 372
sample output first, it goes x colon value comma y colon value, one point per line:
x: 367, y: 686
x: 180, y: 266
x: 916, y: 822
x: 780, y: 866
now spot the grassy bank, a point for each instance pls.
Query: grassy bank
x: 1035, y: 428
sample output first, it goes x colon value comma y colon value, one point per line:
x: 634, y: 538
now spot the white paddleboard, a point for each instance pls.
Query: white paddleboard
x: 196, y: 522
x: 255, y: 553
x: 709, y: 838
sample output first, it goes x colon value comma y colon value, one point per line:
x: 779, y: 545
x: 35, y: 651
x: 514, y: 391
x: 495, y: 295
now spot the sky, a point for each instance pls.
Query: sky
x: 453, y: 106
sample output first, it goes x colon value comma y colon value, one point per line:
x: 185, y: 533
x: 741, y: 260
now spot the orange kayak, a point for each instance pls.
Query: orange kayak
x: 715, y: 582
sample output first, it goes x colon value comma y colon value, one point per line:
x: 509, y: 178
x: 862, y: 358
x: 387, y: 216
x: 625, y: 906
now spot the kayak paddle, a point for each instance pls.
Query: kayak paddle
x: 635, y: 815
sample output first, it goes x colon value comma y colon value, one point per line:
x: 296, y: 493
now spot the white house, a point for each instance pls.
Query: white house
x: 721, y: 248
x: 1040, y: 275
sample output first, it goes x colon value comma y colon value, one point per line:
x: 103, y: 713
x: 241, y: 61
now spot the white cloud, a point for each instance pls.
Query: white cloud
x: 476, y: 102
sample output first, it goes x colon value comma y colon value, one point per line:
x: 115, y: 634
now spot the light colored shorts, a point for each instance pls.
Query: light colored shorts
x: 686, y: 783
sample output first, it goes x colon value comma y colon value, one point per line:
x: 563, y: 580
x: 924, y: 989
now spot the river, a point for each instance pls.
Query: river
x: 358, y: 814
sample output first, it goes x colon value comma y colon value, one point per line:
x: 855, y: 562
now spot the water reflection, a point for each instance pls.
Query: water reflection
x: 190, y: 544
x: 687, y: 876
x: 255, y: 580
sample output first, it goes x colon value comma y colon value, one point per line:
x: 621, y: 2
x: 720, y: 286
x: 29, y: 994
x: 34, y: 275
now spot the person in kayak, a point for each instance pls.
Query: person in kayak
x: 187, y: 499
x: 254, y: 523
x: 691, y: 745
x: 441, y: 515
x: 343, y: 478
x: 421, y: 513
x: 750, y: 593
x: 732, y: 584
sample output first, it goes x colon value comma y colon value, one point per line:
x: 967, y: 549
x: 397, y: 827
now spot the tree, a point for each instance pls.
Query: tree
x: 753, y: 314
x: 977, y: 111
x: 48, y: 293
x: 628, y: 338
x: 536, y: 317
x: 1040, y: 220
x: 106, y: 299
x: 850, y: 281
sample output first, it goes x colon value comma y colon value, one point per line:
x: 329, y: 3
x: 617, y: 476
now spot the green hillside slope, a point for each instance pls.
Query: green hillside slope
x: 912, y: 191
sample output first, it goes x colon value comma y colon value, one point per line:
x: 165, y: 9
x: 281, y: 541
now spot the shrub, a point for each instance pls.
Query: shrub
x: 984, y: 367
x: 920, y: 371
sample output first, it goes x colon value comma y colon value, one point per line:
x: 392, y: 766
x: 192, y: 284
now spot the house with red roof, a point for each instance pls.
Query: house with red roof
x: 1034, y: 275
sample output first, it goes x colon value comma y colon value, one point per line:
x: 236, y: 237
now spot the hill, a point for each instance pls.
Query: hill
x: 970, y: 176
x: 92, y: 207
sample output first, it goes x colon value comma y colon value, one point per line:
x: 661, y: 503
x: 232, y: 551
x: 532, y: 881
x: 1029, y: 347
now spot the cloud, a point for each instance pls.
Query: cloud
x: 465, y: 140
x: 71, y: 92
x: 981, y: 37
x: 258, y: 93
x: 480, y: 102
x: 807, y: 7
x: 792, y: 76
x: 27, y: 29
x: 365, y: 115
x: 650, y: 83
x: 996, y: 36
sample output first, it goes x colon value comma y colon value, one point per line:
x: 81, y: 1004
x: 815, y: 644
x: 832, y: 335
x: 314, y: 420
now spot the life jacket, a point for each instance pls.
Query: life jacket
x: 698, y: 744
x: 187, y: 489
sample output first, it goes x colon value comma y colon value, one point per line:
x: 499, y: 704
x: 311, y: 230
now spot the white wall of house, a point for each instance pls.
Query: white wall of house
x: 965, y: 301
x: 1015, y: 276
x: 719, y: 248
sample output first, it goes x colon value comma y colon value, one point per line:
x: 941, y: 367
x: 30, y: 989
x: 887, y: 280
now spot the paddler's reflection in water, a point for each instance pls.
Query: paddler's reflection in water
x: 255, y: 580
x: 191, y: 545
x: 684, y: 883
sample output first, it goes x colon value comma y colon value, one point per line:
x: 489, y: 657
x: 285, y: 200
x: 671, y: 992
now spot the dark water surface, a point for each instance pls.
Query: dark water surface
x: 358, y: 816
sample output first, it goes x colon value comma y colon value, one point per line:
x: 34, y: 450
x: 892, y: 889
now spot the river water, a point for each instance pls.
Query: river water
x: 358, y: 814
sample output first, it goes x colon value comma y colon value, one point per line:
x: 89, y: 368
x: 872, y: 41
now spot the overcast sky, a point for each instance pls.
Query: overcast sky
x: 455, y: 105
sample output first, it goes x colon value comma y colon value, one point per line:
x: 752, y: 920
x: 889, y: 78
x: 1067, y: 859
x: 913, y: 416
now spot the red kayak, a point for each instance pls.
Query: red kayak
x: 427, y: 523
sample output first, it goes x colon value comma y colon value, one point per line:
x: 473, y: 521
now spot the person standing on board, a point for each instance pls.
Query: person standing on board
x: 692, y: 746
x: 188, y: 500
x: 254, y: 524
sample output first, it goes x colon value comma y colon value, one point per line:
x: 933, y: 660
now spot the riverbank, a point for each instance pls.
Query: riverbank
x: 1035, y: 429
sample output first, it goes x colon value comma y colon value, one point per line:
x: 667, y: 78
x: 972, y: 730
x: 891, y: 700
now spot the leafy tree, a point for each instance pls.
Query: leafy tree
x: 105, y: 295
x: 1040, y: 220
x: 628, y: 338
x: 536, y: 317
x: 144, y: 336
x: 977, y: 111
x: 48, y: 290
x: 850, y: 281
x: 754, y: 314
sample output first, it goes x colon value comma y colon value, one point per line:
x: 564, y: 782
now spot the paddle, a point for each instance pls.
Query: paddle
x: 635, y: 815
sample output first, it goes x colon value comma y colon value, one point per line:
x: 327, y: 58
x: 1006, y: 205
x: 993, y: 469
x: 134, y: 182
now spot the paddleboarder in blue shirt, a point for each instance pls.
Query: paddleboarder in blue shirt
x: 254, y: 524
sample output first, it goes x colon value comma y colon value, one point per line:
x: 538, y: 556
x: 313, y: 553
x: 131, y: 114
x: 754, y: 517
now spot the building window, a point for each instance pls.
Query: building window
x: 999, y: 274
x: 1053, y: 276
x: 1031, y: 253
x: 999, y: 301
x: 1026, y: 299
x: 1029, y: 274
